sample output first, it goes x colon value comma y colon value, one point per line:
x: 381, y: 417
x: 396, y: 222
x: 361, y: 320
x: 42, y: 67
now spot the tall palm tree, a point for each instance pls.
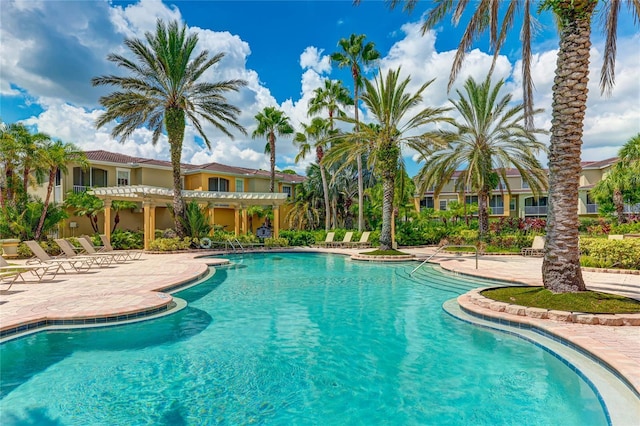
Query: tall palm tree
x: 56, y: 156
x: 355, y: 54
x: 316, y: 135
x: 271, y: 123
x: 561, y: 265
x: 163, y: 90
x: 491, y: 137
x: 330, y: 97
x: 401, y: 120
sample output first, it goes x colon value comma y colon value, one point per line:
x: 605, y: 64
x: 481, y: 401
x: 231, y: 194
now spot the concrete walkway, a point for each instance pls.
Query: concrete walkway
x: 137, y: 286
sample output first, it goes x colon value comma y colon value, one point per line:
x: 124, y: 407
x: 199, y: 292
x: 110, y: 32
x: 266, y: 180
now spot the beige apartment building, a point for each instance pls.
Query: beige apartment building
x: 227, y: 192
x: 520, y: 201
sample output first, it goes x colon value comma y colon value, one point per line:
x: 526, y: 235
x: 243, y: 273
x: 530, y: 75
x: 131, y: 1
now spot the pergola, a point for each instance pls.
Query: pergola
x: 152, y: 196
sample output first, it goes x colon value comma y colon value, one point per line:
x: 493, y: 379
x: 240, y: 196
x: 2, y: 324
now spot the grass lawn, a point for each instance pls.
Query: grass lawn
x: 585, y: 301
x: 384, y: 253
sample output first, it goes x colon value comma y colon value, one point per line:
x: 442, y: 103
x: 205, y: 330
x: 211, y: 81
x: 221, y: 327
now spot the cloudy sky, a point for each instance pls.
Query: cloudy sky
x: 50, y: 50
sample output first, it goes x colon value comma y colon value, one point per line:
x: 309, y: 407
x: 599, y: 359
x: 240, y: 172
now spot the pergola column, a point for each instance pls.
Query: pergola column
x: 244, y: 220
x: 506, y: 200
x: 146, y: 206
x: 236, y: 221
x: 276, y: 221
x: 152, y: 222
x: 107, y: 218
x: 212, y: 215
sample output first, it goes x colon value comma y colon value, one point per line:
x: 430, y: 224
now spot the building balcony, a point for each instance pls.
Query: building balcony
x: 79, y: 189
x: 632, y: 208
x: 535, y: 210
x: 592, y: 208
x: 497, y: 210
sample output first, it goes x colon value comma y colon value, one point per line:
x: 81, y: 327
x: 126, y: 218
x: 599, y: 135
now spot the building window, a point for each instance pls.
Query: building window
x: 497, y: 204
x: 218, y: 185
x: 443, y: 205
x: 471, y: 199
x: 535, y: 207
x: 512, y: 204
x: 91, y: 177
x: 427, y: 203
x: 239, y: 185
x: 123, y: 177
x: 525, y: 184
x: 287, y: 190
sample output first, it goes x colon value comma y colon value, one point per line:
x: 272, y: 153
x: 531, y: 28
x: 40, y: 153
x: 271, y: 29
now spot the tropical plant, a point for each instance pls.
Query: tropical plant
x: 316, y: 135
x: 302, y: 214
x: 490, y: 138
x: 355, y: 54
x: 561, y: 265
x: 87, y: 205
x: 196, y: 220
x: 401, y: 119
x: 56, y: 156
x: 163, y: 90
x: 271, y: 123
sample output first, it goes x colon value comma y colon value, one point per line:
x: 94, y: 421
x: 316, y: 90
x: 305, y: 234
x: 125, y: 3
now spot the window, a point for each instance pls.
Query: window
x: 92, y: 177
x: 218, y: 185
x: 239, y: 185
x: 512, y: 204
x: 471, y: 199
x: 443, y: 204
x: 427, y: 203
x: 123, y: 177
x: 287, y: 190
x: 497, y: 204
x: 525, y: 184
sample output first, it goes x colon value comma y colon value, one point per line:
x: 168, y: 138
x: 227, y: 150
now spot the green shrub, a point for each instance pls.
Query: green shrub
x: 49, y: 246
x: 172, y: 244
x: 626, y: 228
x: 276, y: 242
x: 299, y: 238
x: 124, y: 240
x: 623, y: 254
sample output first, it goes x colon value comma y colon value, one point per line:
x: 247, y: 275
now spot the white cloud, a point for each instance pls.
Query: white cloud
x: 312, y: 58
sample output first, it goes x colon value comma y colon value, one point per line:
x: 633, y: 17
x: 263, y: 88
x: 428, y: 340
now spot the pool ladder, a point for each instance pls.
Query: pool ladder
x: 443, y: 247
x: 235, y: 244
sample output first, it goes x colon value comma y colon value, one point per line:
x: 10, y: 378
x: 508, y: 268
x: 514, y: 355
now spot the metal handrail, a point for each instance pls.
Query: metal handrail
x: 440, y: 248
x: 233, y: 246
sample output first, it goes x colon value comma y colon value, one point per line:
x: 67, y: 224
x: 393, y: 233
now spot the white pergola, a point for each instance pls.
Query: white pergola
x: 152, y: 196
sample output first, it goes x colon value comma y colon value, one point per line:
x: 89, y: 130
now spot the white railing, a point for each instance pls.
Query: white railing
x: 497, y: 210
x: 535, y: 210
x: 79, y: 188
x: 632, y: 208
x: 592, y: 208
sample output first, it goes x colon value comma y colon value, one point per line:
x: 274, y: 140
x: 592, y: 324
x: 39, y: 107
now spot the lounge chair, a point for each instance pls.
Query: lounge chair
x: 364, y: 240
x: 616, y: 237
x: 70, y: 252
x: 345, y: 241
x: 78, y: 264
x: 536, y: 249
x: 91, y: 251
x: 131, y: 254
x: 11, y: 273
x: 327, y: 241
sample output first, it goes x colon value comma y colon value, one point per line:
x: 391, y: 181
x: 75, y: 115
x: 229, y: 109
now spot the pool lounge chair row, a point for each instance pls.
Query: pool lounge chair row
x: 11, y: 273
x: 346, y: 241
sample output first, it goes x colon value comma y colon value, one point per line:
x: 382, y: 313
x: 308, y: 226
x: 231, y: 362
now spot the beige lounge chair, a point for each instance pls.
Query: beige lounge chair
x: 11, y: 273
x: 70, y: 252
x: 616, y: 237
x: 536, y: 249
x: 345, y: 241
x: 131, y: 254
x: 327, y: 241
x: 91, y: 251
x: 78, y: 264
x: 364, y: 240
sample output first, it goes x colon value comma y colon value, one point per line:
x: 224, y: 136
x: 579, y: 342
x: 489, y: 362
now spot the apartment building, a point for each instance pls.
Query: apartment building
x: 520, y: 201
x: 227, y: 192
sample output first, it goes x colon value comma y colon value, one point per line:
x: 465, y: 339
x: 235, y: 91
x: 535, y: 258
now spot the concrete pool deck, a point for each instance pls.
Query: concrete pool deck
x: 137, y: 286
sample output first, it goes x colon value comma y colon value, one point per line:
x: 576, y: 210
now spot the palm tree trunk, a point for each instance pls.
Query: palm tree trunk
x: 618, y: 202
x: 359, y: 159
x: 272, y: 158
x: 483, y: 214
x: 45, y: 207
x: 174, y: 121
x: 388, y: 189
x: 561, y: 271
x: 325, y: 189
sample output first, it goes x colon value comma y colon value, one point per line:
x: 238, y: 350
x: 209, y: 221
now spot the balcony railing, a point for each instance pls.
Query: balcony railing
x: 79, y: 188
x: 535, y: 210
x: 497, y: 210
x: 592, y: 208
x: 632, y: 208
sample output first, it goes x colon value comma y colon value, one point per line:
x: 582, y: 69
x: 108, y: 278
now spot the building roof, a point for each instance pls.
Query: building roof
x: 116, y: 158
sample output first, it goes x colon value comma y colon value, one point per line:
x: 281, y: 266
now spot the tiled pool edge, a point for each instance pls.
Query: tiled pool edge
x: 610, y: 404
x: 172, y: 305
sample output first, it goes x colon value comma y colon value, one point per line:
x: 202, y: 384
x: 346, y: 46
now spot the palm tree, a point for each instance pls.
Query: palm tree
x: 491, y: 137
x: 303, y: 214
x: 163, y: 90
x: 56, y: 156
x: 561, y: 265
x: 316, y: 135
x: 355, y: 53
x: 271, y: 123
x: 330, y: 98
x: 400, y: 120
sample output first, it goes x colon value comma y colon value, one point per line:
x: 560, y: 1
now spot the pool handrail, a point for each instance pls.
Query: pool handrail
x: 440, y: 248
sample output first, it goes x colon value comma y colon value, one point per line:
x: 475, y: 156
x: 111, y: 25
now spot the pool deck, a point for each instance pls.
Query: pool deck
x: 137, y: 286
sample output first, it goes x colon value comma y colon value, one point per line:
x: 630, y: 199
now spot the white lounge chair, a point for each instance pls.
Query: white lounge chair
x: 11, y: 273
x: 328, y: 240
x: 363, y: 242
x: 131, y: 254
x: 536, y: 249
x: 345, y: 241
x: 70, y: 253
x: 77, y: 264
x: 91, y: 251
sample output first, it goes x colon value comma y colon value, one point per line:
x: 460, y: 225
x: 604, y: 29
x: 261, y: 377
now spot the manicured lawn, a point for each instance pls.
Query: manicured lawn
x: 586, y: 301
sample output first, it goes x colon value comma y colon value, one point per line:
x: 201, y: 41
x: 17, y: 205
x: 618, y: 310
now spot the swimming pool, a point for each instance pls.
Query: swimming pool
x: 295, y: 338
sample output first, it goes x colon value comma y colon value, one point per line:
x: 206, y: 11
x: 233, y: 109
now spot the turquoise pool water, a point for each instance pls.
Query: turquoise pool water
x: 295, y: 338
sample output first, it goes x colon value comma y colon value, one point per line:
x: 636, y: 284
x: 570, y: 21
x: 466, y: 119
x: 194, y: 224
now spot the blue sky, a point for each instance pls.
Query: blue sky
x: 49, y: 51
